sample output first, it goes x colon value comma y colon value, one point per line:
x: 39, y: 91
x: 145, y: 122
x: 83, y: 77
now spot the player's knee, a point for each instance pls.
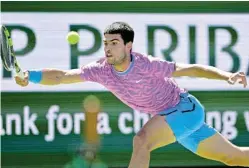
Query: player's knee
x: 230, y: 162
x: 237, y: 158
x: 140, y: 140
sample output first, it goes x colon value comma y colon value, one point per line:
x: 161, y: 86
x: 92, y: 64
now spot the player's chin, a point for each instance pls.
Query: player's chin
x: 110, y: 61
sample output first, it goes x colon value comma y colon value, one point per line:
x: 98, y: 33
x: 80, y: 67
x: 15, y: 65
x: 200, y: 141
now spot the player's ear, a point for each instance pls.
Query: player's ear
x: 129, y: 45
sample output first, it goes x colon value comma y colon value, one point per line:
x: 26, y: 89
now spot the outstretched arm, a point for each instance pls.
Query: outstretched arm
x: 55, y: 76
x: 204, y: 71
x: 50, y: 77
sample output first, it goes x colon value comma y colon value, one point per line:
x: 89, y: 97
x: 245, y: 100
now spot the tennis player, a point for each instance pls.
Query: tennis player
x: 146, y: 83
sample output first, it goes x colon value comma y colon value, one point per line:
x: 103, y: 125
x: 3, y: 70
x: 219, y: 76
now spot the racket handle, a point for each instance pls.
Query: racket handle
x: 20, y: 74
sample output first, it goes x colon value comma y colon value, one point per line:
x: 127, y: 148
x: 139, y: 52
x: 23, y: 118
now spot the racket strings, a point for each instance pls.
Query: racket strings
x: 6, y: 49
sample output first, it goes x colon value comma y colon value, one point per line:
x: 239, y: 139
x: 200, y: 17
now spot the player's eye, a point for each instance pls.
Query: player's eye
x: 114, y: 43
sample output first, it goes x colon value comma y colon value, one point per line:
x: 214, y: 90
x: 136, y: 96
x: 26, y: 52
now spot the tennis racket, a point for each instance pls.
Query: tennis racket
x: 7, y: 53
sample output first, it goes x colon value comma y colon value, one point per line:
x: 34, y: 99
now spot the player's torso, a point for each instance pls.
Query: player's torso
x: 139, y: 88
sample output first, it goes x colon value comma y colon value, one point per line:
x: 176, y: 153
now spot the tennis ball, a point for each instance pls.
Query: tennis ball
x: 73, y: 37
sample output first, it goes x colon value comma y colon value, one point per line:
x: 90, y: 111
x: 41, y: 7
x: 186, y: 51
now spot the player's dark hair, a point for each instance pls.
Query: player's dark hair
x: 122, y: 28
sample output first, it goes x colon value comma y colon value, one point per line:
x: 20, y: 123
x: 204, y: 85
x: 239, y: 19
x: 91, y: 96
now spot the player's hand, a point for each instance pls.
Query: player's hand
x: 238, y: 77
x: 23, y: 82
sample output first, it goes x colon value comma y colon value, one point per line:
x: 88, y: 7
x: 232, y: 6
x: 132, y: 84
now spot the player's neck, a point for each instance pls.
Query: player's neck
x: 124, y: 65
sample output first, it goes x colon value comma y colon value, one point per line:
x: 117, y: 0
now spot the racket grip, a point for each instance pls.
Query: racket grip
x: 20, y: 74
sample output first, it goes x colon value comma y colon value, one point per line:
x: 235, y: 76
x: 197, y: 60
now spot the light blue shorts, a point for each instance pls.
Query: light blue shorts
x: 186, y: 120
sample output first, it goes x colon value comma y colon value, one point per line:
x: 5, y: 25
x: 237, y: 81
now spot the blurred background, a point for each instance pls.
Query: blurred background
x: 46, y: 126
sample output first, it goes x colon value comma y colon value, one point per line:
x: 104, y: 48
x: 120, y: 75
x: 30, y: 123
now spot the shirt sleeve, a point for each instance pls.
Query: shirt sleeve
x: 90, y: 72
x: 161, y: 68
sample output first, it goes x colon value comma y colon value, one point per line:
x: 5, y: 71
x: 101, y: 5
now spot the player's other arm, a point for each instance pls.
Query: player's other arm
x: 50, y: 77
x: 204, y: 71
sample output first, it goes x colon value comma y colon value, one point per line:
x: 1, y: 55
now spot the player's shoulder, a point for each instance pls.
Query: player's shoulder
x: 98, y: 64
x: 145, y: 57
x: 139, y: 56
x: 101, y: 61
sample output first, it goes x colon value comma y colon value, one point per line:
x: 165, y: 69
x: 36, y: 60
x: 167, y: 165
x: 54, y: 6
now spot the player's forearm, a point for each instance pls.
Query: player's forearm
x: 210, y: 72
x: 46, y: 76
x: 55, y: 76
x: 52, y: 76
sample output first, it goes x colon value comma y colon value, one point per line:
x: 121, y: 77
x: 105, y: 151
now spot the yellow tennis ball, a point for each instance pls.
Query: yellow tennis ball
x: 73, y: 37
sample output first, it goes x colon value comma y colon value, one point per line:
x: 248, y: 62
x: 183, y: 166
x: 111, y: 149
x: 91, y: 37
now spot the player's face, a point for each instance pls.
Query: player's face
x: 115, y: 49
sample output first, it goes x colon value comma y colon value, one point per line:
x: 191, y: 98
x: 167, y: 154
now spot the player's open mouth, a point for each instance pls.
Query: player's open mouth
x: 108, y: 56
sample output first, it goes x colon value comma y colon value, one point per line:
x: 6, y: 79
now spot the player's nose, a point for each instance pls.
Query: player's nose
x: 107, y: 51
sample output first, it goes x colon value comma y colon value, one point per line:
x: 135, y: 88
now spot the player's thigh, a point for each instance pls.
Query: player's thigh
x: 218, y: 148
x: 157, y: 133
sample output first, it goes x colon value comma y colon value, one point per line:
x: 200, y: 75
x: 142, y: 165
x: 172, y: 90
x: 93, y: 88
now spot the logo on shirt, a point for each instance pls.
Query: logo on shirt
x: 138, y: 81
